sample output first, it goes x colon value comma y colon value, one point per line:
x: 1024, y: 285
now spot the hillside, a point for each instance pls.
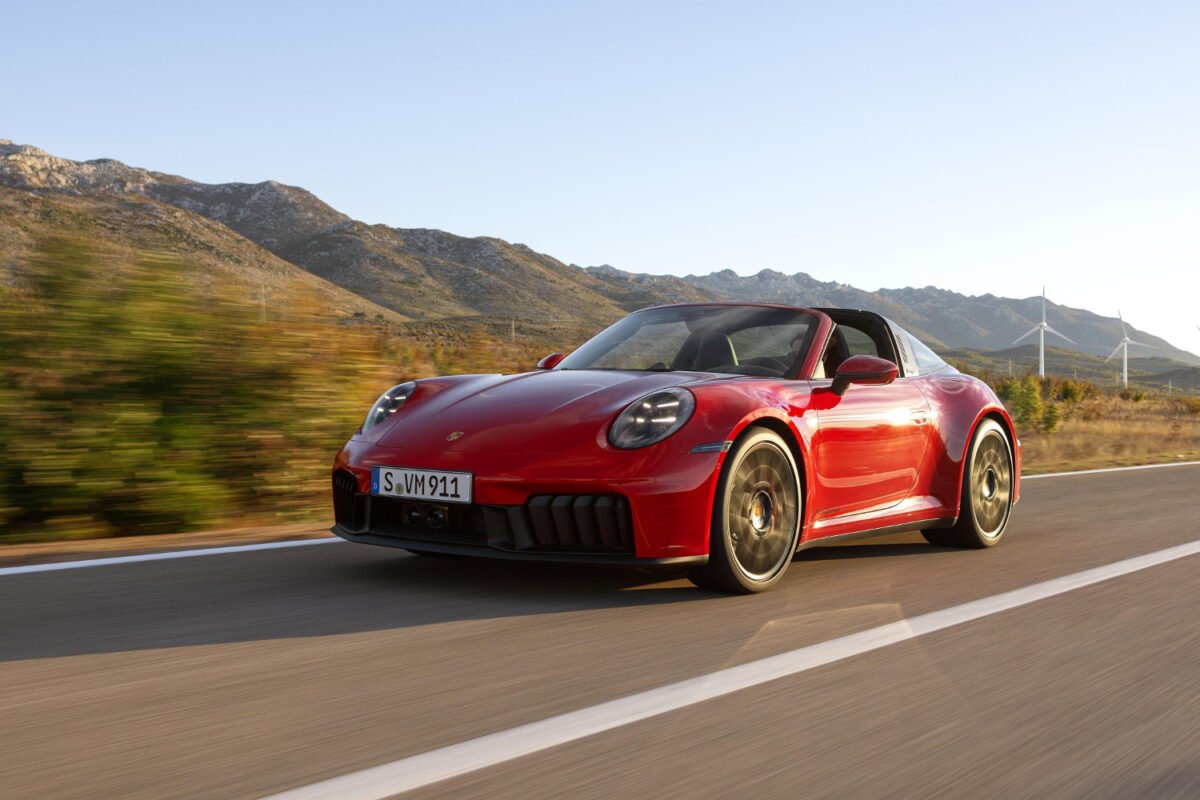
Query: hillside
x: 942, y: 318
x: 418, y: 273
x: 127, y: 226
x: 1150, y: 373
x: 431, y: 275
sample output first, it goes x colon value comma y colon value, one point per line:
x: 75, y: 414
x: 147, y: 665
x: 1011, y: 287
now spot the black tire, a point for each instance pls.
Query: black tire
x: 986, y: 501
x: 756, y: 517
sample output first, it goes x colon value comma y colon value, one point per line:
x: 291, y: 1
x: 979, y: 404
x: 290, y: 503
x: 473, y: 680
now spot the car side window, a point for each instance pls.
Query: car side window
x: 916, y: 356
x: 927, y: 360
x: 844, y: 341
x: 858, y: 343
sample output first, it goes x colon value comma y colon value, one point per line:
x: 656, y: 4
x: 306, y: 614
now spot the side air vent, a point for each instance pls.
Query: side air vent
x: 348, y: 504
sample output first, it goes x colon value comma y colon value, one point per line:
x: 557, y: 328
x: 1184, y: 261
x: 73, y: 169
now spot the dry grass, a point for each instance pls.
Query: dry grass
x: 1109, y: 432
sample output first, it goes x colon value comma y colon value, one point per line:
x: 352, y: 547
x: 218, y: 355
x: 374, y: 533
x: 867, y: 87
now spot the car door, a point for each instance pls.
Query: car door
x: 870, y: 442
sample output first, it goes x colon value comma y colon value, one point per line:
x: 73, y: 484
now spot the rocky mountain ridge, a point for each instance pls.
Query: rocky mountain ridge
x: 945, y: 319
x: 427, y: 274
x: 120, y: 229
x: 419, y: 273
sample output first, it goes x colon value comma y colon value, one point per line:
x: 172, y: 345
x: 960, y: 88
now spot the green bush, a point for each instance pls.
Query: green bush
x: 136, y: 400
x: 1006, y: 389
x: 1050, y: 418
x: 1071, y: 391
x: 1026, y: 402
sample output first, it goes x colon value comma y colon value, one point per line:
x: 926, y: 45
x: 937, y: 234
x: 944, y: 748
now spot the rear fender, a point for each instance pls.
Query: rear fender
x: 998, y: 413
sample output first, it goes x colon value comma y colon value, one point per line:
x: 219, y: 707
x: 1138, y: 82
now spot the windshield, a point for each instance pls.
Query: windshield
x: 738, y: 340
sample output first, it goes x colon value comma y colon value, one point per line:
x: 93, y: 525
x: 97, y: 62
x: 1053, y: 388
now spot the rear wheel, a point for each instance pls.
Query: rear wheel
x: 986, y: 492
x: 756, y: 517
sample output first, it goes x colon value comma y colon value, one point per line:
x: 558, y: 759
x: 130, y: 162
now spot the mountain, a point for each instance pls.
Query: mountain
x: 1154, y: 372
x: 433, y: 276
x: 419, y: 273
x: 1186, y: 378
x: 942, y: 318
x: 123, y: 228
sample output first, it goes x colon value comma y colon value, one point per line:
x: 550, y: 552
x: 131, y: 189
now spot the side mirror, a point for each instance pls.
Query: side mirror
x: 868, y: 370
x: 551, y: 361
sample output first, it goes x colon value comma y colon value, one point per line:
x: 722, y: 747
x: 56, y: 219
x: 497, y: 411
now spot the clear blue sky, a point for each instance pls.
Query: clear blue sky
x: 976, y: 146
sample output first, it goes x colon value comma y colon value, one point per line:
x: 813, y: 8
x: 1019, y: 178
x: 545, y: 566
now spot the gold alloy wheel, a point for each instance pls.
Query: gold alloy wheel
x: 991, y: 484
x: 762, y: 511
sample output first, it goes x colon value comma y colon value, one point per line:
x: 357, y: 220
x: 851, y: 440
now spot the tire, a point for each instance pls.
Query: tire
x: 986, y: 501
x: 756, y: 517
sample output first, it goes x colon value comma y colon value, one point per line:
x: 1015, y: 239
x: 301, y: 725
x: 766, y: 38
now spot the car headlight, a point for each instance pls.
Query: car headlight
x: 388, y: 403
x: 652, y: 418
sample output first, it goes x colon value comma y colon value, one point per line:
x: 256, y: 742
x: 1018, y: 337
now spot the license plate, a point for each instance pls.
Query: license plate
x: 422, y: 484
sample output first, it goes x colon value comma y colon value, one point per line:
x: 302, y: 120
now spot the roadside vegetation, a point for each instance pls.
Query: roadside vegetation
x: 140, y: 396
x: 137, y: 398
x: 1067, y: 424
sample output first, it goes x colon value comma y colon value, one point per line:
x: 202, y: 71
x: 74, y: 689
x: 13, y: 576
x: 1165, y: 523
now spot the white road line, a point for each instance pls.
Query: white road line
x: 433, y: 766
x: 1108, y: 469
x: 204, y: 551
x: 246, y: 548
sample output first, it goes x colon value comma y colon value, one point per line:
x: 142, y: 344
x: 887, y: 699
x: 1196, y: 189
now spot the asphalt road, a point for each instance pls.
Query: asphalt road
x: 246, y: 674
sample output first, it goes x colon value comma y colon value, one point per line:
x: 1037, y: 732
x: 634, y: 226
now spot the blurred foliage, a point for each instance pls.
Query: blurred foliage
x: 1050, y: 417
x: 1041, y: 404
x: 138, y: 401
x: 1072, y: 391
x: 1023, y: 398
x: 137, y: 395
x: 1186, y: 405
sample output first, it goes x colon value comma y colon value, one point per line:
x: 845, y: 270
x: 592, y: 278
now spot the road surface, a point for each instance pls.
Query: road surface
x: 253, y: 673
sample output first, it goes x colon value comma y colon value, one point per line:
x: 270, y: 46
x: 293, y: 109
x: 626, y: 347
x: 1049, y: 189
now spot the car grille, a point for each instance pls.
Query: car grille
x: 567, y: 523
x: 545, y: 523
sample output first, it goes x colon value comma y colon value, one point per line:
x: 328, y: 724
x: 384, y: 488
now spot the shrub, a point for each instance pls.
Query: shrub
x: 132, y: 401
x: 1186, y: 405
x: 1026, y: 401
x: 1050, y: 418
x: 1072, y: 391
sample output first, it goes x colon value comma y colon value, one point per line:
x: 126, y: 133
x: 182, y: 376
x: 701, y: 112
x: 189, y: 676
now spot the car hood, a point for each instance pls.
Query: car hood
x: 545, y: 411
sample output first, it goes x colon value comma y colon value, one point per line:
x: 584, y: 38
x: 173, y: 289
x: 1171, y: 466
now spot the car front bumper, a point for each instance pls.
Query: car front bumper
x: 641, y: 507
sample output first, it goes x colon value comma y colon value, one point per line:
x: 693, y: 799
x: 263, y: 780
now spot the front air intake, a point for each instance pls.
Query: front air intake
x: 348, y: 504
x: 599, y: 523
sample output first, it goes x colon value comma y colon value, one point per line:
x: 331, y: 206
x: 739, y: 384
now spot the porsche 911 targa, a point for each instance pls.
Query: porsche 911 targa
x: 723, y: 437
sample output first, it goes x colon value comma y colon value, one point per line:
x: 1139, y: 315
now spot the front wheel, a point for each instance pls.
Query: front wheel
x: 986, y: 492
x: 756, y: 517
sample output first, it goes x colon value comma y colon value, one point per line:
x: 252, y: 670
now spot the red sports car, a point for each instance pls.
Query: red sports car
x: 725, y: 437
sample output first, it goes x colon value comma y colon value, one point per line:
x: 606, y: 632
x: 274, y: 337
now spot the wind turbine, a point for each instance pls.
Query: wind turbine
x: 1124, y: 347
x: 1040, y: 329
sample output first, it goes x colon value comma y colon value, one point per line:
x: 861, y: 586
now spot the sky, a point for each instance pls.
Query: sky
x: 975, y: 146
